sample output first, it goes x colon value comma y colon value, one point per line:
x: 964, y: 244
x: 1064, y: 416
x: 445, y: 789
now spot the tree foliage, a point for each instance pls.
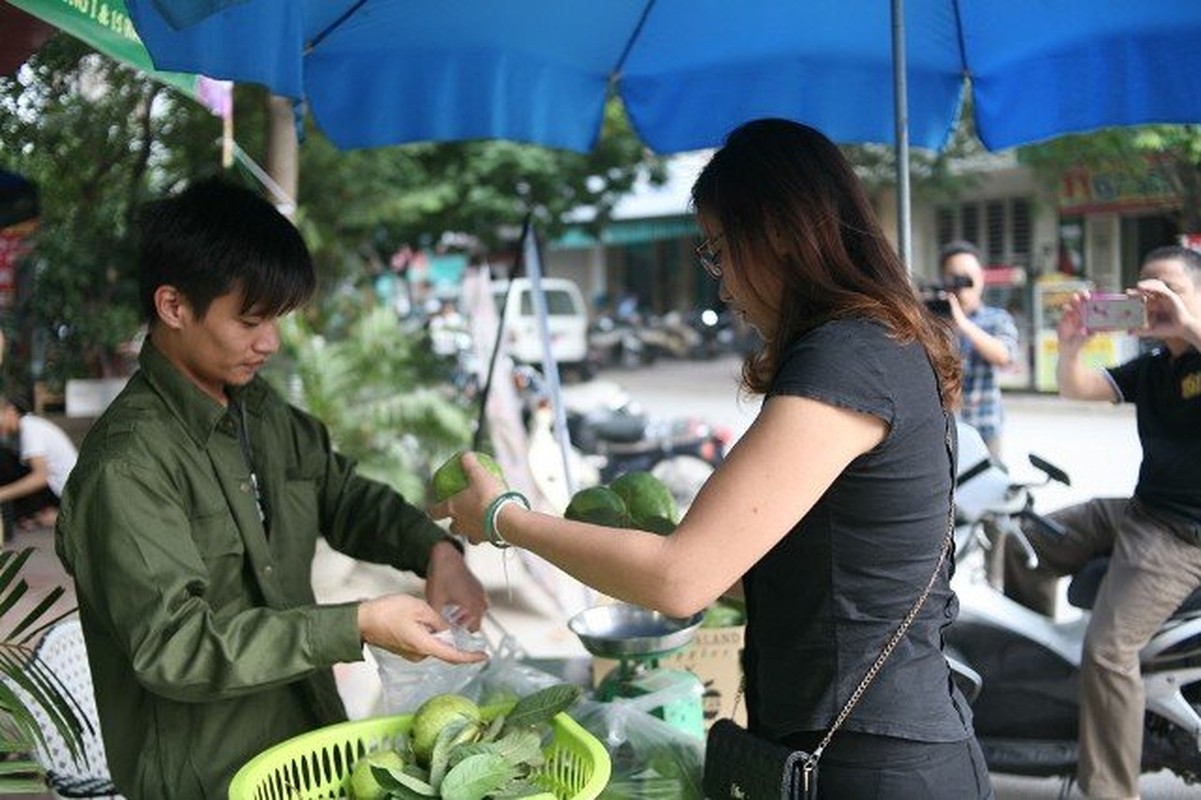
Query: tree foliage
x: 92, y: 135
x: 934, y: 177
x: 377, y: 389
x: 100, y: 138
x: 1166, y: 158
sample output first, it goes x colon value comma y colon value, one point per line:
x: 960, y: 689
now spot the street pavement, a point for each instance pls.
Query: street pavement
x: 1095, y: 444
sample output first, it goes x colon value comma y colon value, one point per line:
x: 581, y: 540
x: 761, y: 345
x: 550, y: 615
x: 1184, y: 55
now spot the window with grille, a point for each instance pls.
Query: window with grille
x: 1001, y: 227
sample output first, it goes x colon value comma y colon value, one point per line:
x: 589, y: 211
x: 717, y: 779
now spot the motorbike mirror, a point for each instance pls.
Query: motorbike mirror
x: 1053, y: 472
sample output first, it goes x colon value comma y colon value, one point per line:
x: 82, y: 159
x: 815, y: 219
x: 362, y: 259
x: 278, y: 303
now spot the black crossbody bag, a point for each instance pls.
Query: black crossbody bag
x: 741, y: 766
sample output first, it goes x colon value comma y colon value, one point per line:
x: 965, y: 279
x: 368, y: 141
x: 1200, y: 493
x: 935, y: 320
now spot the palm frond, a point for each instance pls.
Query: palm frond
x: 379, y: 393
x: 27, y: 685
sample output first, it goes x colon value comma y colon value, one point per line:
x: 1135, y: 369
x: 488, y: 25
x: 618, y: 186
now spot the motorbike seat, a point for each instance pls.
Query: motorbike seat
x: 619, y: 428
x: 1082, y: 590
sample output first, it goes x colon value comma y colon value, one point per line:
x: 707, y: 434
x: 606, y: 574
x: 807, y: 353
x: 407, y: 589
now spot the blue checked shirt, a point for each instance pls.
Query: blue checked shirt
x: 981, y: 394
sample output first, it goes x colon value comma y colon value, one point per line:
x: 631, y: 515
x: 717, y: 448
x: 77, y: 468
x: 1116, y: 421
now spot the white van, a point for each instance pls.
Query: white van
x: 567, y: 319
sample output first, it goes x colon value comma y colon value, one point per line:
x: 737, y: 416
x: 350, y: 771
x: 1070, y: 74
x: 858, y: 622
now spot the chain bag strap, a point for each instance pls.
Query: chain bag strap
x: 770, y: 766
x: 811, y: 762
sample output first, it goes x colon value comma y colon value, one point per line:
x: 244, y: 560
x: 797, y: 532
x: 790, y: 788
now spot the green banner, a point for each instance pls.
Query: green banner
x: 106, y: 26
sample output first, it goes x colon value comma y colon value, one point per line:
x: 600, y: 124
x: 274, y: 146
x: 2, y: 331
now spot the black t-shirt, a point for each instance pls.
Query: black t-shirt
x: 824, y: 601
x: 1166, y: 393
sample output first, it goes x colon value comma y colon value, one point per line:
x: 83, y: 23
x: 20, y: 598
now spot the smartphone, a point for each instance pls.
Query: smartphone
x: 1114, y: 312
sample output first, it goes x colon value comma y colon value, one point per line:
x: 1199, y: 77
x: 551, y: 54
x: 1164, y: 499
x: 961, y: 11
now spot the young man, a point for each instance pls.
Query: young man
x: 1154, y: 535
x: 988, y: 339
x: 32, y: 476
x: 190, y: 521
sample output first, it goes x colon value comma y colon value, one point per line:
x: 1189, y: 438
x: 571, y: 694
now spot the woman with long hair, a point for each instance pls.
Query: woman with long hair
x: 831, y: 512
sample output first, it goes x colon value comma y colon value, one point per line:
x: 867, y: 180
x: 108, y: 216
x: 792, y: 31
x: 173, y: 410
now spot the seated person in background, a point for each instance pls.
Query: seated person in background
x: 35, y: 464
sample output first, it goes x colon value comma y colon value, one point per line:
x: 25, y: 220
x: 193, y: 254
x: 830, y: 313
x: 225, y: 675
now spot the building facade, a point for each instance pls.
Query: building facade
x: 1039, y: 242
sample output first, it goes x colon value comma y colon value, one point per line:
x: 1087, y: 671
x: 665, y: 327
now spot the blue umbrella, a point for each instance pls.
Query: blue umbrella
x: 378, y: 72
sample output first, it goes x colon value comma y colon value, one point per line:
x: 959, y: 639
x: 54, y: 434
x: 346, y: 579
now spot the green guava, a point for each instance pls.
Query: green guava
x: 450, y: 478
x: 435, y: 714
x: 363, y: 785
x: 598, y: 505
x: 649, y: 502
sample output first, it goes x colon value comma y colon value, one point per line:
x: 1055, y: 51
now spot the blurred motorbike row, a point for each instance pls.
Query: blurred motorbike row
x: 636, y: 339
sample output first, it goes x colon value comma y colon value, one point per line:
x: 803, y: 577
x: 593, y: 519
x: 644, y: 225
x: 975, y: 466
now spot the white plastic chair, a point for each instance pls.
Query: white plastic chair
x: 63, y: 652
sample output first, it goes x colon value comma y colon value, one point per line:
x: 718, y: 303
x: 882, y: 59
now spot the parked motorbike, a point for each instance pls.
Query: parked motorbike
x: 613, y: 435
x: 452, y: 345
x: 715, y: 331
x: 1021, y: 669
x: 614, y: 341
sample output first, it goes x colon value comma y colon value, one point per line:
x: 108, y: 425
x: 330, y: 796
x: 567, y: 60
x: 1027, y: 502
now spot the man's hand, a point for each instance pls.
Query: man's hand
x: 960, y: 319
x: 1167, y: 315
x: 405, y: 625
x: 1070, y: 328
x: 1076, y: 380
x: 449, y: 581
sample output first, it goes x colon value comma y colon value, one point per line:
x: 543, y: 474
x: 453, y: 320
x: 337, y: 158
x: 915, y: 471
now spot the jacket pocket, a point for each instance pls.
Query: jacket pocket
x: 298, y: 525
x: 221, y: 549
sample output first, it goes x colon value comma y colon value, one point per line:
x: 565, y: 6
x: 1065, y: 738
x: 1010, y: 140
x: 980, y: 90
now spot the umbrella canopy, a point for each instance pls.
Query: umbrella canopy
x: 378, y: 72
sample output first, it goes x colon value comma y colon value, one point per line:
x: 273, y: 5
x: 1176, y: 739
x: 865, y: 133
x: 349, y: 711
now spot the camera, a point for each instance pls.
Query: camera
x: 934, y: 295
x: 1115, y: 312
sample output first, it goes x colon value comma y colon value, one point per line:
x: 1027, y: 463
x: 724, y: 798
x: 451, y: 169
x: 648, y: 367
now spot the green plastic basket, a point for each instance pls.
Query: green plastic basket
x: 318, y: 764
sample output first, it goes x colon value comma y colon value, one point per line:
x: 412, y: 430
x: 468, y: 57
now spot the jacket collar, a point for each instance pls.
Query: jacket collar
x: 196, y: 411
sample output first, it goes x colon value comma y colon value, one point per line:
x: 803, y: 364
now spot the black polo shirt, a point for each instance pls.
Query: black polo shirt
x: 824, y: 601
x: 1166, y: 393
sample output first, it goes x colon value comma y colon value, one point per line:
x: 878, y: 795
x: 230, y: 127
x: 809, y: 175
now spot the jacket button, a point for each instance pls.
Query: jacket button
x: 244, y: 486
x: 267, y: 570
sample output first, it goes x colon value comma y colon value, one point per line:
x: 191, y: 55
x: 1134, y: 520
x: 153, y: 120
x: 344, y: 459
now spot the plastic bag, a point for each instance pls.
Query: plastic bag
x: 652, y: 760
x: 505, y: 678
x: 407, y: 684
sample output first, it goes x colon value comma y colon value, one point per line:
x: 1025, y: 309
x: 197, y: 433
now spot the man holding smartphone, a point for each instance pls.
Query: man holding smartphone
x: 988, y: 339
x: 1154, y: 537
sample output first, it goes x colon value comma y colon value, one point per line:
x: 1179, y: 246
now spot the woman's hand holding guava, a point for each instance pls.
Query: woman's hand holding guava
x: 465, y: 508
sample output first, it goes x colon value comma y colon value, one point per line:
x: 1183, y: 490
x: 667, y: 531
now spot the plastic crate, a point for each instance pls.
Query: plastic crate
x: 318, y: 764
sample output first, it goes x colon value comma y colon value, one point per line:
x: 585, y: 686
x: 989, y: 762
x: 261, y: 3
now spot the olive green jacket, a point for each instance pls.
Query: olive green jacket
x: 204, y: 638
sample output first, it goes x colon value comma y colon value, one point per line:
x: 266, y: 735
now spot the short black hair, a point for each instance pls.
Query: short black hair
x: 958, y: 247
x: 18, y: 399
x: 214, y: 238
x: 1185, y: 255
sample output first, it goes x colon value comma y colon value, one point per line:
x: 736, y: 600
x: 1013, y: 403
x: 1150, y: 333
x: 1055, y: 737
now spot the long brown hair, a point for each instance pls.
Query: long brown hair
x: 790, y: 206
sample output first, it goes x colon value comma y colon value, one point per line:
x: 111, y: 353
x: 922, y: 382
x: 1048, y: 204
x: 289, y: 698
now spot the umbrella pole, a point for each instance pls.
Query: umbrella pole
x: 900, y: 101
x: 533, y: 268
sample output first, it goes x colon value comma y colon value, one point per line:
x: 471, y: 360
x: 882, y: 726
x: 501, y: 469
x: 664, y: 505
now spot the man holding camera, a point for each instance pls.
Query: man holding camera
x: 1154, y: 537
x: 988, y: 338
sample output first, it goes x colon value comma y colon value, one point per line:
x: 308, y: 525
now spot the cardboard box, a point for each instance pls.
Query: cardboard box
x: 714, y: 656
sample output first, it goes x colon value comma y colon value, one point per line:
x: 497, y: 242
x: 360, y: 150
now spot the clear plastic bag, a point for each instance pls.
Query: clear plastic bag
x: 407, y: 684
x: 651, y: 759
x: 505, y: 678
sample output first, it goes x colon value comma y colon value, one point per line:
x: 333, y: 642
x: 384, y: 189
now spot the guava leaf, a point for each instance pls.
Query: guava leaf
x: 522, y: 748
x: 476, y: 777
x: 541, y: 706
x: 455, y: 732
x: 494, y: 728
x: 402, y: 786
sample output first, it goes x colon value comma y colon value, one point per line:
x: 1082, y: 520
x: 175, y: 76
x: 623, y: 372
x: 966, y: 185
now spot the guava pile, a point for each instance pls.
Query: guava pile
x: 458, y: 751
x: 633, y: 500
